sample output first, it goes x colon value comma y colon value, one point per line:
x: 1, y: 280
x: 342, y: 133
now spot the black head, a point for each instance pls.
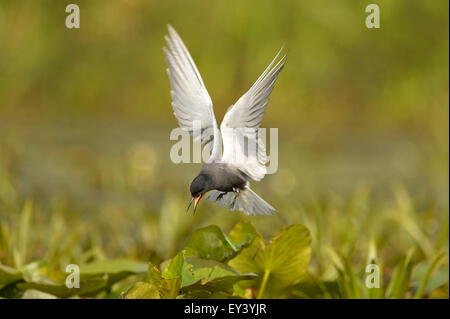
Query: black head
x: 199, y: 186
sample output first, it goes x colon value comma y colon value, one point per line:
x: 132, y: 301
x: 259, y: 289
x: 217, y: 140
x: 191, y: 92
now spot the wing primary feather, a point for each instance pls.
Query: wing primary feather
x: 184, y: 50
x: 190, y: 99
x: 269, y: 67
x: 248, y: 112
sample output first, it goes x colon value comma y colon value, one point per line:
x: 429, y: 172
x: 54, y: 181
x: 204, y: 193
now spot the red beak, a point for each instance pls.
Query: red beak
x: 195, y: 200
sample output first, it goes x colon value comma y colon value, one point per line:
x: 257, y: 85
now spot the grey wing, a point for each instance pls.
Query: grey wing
x: 191, y: 102
x: 243, y: 147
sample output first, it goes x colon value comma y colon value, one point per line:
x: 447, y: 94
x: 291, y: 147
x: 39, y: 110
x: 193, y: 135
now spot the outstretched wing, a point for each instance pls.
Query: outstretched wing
x: 243, y: 146
x: 191, y: 102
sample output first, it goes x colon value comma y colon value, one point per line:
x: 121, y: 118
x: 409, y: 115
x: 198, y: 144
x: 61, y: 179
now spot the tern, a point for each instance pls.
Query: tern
x: 226, y: 175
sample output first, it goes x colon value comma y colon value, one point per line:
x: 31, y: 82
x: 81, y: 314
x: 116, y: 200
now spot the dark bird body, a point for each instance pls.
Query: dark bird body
x: 224, y: 178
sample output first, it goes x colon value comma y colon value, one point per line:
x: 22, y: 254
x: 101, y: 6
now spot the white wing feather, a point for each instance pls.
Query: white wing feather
x: 190, y: 99
x: 240, y: 125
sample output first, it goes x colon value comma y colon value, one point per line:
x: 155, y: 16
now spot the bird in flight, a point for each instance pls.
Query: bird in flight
x: 225, y: 176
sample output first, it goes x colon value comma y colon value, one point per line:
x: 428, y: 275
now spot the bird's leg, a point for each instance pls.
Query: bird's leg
x: 220, y: 196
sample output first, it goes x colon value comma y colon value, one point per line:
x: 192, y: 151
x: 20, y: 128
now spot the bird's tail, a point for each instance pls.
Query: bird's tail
x: 246, y: 201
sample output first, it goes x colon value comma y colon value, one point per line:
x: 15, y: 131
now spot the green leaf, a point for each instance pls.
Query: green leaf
x: 312, y: 287
x: 33, y: 269
x: 251, y: 258
x: 11, y: 292
x: 289, y: 254
x: 194, y: 272
x: 210, y: 243
x: 36, y: 294
x: 168, y: 288
x: 142, y: 290
x: 113, y: 266
x: 437, y: 260
x: 347, y: 281
x: 153, y: 275
x: 40, y: 275
x: 440, y: 292
x: 9, y: 275
x: 175, y: 266
x: 24, y: 231
x: 204, y: 271
x: 401, y: 279
x: 243, y: 232
x: 227, y: 284
x: 116, y: 269
x: 280, y: 263
x: 87, y: 287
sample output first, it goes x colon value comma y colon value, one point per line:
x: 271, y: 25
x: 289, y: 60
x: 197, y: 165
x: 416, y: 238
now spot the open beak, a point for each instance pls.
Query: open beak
x: 195, y: 200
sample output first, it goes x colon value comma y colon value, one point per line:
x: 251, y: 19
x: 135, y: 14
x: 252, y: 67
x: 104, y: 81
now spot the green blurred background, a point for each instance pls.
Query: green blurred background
x: 85, y: 118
